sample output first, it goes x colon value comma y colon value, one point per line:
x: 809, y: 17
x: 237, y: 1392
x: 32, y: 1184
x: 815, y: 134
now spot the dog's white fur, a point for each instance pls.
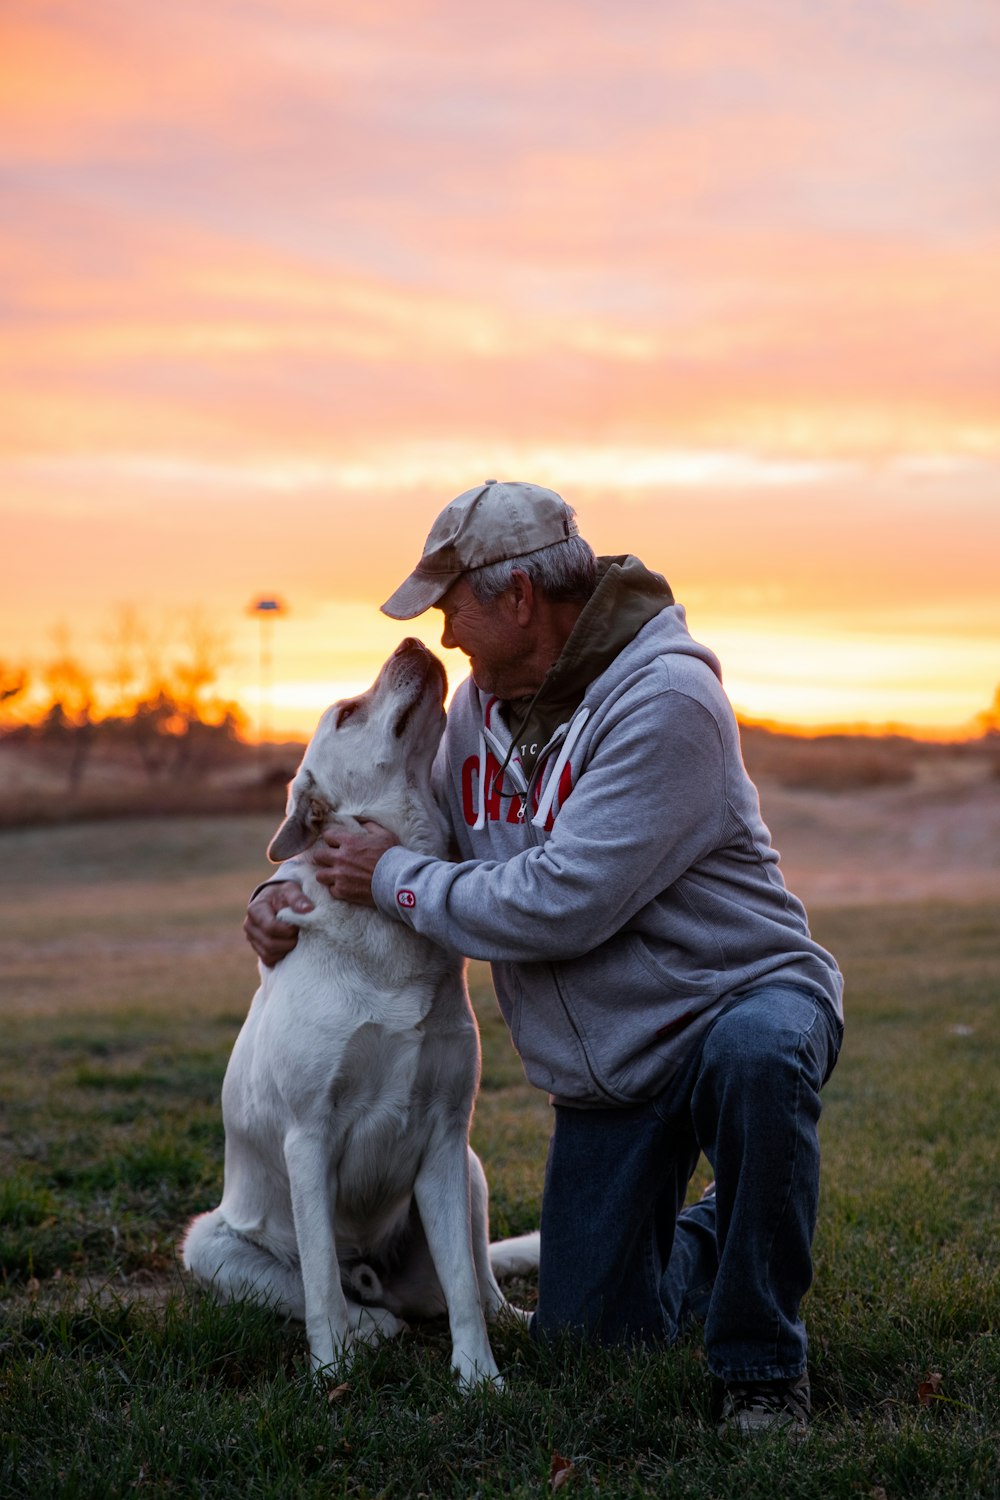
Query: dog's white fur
x: 352, y: 1198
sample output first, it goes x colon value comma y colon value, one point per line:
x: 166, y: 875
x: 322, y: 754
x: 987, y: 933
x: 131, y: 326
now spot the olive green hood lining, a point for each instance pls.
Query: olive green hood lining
x: 627, y: 596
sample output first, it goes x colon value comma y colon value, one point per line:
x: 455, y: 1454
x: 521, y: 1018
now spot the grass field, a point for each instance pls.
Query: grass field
x: 123, y: 981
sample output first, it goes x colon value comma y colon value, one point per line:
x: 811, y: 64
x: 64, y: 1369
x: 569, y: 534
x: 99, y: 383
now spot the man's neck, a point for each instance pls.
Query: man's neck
x: 557, y: 622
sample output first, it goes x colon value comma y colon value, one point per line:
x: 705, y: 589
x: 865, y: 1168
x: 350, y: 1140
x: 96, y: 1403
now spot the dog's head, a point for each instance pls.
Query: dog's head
x: 370, y: 756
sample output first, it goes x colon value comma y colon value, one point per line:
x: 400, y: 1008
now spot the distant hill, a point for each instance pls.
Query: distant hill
x: 851, y: 762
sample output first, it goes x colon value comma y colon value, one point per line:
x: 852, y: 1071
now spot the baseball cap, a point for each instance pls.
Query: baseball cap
x: 494, y: 522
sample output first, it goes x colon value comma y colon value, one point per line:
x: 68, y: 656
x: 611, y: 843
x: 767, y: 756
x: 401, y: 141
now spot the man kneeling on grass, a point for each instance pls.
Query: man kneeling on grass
x: 658, y: 978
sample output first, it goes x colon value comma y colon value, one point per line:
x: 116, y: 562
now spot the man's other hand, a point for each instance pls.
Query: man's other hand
x: 270, y: 939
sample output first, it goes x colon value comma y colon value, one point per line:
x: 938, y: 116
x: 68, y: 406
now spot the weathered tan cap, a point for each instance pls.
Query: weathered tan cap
x: 496, y: 521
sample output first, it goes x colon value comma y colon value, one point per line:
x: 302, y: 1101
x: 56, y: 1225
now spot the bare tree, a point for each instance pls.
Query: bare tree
x: 206, y: 652
x: 162, y: 692
x: 72, y: 692
x: 154, y: 698
x: 14, y: 683
x: 130, y: 652
x: 988, y: 723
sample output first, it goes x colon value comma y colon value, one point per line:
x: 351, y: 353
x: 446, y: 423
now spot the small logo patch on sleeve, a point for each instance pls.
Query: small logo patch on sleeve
x: 406, y: 898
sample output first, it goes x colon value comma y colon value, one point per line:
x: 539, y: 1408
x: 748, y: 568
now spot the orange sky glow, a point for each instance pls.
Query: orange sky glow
x: 281, y: 277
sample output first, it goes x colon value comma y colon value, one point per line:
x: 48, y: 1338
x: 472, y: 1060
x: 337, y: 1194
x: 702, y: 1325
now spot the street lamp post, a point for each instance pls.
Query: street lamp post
x: 266, y: 608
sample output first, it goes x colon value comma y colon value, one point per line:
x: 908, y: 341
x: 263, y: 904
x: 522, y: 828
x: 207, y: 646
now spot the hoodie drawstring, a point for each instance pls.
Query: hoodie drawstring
x: 552, y: 785
x: 480, y: 822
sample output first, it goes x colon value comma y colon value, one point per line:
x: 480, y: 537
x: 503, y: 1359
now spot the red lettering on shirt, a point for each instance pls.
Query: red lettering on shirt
x: 470, y: 789
x: 510, y: 808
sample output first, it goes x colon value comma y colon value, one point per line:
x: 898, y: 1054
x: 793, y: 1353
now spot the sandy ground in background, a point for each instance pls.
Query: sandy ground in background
x: 936, y: 838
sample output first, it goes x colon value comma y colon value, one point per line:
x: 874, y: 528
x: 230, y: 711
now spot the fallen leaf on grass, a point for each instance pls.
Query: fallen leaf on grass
x: 928, y: 1388
x: 560, y: 1470
x: 337, y: 1393
x: 878, y: 1493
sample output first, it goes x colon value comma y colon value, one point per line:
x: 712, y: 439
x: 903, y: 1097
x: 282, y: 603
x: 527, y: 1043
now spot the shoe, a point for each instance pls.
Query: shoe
x: 764, y: 1406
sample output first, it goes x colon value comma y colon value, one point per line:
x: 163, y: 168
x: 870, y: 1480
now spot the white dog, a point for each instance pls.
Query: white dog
x: 352, y: 1198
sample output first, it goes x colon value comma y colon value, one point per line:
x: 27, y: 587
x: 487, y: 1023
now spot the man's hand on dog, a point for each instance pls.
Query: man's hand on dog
x: 345, y: 861
x: 269, y: 938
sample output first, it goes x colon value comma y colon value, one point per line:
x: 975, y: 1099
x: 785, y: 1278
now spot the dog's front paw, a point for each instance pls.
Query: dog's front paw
x: 297, y: 918
x: 371, y: 1325
x: 367, y: 1325
x: 507, y: 1312
x: 475, y: 1374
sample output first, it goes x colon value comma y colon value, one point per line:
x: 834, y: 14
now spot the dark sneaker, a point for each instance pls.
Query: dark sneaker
x: 764, y: 1406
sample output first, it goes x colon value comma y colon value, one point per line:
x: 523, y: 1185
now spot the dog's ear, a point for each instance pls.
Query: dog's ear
x: 306, y: 820
x: 293, y: 837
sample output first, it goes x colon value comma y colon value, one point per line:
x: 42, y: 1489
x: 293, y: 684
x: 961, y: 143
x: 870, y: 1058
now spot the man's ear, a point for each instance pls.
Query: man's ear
x: 522, y: 593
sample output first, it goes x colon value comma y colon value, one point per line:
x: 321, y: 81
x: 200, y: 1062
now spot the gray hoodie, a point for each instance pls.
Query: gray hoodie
x: 626, y: 890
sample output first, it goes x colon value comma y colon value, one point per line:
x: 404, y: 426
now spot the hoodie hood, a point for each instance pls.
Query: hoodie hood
x: 628, y: 595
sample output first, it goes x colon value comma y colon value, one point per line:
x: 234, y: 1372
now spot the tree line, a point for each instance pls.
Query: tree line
x: 154, y: 699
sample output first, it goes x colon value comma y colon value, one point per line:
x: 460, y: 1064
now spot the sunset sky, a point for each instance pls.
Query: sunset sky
x: 278, y: 278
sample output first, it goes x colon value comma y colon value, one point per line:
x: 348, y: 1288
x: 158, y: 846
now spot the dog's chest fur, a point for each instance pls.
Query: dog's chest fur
x: 326, y: 1051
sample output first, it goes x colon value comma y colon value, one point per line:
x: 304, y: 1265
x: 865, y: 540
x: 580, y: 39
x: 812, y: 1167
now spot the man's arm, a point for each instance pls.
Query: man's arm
x: 649, y: 804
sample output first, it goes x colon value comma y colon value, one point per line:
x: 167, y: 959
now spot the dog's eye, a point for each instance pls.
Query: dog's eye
x: 345, y: 713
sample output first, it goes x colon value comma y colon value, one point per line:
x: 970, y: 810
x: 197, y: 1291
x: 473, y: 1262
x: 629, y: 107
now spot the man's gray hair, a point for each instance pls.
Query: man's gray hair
x: 566, y: 573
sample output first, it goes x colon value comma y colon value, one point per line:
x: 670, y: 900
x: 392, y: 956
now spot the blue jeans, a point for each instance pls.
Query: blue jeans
x: 620, y: 1262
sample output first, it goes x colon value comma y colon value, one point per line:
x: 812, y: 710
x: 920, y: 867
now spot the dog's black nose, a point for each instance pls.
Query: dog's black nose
x: 410, y: 644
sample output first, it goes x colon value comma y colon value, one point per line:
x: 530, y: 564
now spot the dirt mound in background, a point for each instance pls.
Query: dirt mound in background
x: 934, y: 837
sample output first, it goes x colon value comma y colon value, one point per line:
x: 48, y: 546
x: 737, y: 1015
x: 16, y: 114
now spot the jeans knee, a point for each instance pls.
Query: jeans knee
x: 742, y: 1045
x: 765, y: 1043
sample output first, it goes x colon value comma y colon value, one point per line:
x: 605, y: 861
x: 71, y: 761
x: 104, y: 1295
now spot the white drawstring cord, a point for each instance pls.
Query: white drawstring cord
x: 480, y: 822
x: 552, y: 785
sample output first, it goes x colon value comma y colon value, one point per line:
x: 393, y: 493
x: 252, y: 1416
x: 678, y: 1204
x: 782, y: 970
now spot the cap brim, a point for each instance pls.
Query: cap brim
x: 417, y: 593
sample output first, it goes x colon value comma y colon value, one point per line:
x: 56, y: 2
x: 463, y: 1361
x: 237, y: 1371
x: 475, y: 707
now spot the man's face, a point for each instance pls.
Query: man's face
x: 497, y: 647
